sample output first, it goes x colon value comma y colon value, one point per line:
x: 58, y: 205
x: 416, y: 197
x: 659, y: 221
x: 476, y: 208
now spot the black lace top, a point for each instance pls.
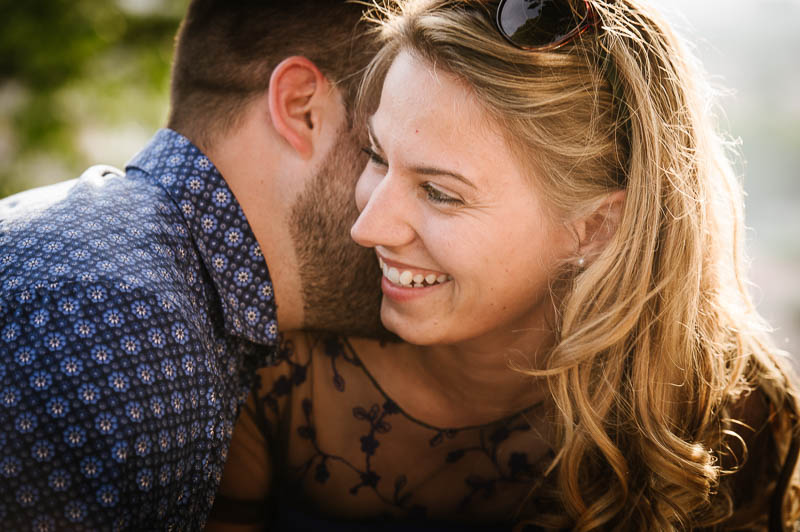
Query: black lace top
x: 320, y: 446
x: 328, y: 450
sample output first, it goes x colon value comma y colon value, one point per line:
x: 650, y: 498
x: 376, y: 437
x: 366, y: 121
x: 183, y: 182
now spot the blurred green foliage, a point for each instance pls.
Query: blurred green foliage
x: 65, y: 64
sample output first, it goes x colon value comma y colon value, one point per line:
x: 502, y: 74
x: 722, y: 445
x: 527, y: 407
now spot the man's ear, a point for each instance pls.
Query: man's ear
x: 296, y: 91
x: 595, y: 230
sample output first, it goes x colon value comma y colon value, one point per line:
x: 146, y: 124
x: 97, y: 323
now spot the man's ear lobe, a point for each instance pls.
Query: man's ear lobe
x: 596, y: 229
x: 294, y: 86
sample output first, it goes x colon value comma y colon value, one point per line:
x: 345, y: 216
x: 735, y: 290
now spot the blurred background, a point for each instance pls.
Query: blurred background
x: 86, y: 81
x: 81, y: 82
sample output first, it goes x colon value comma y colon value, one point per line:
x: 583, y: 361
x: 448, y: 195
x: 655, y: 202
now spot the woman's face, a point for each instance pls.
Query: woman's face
x: 463, y: 238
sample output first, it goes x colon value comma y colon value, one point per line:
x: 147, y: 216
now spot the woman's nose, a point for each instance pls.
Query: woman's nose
x: 385, y: 213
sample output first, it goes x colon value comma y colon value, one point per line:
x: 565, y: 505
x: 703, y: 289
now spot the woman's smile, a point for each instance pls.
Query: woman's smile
x: 402, y: 282
x: 409, y: 277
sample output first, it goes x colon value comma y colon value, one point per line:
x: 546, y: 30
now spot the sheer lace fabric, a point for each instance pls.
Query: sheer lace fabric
x: 337, y: 447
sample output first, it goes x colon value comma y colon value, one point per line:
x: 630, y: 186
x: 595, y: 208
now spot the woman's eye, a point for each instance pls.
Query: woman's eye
x: 374, y: 157
x: 437, y: 196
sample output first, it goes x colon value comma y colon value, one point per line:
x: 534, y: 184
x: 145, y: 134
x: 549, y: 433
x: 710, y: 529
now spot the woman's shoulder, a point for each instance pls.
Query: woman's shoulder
x: 760, y: 455
x: 303, y: 352
x: 292, y: 362
x: 294, y: 349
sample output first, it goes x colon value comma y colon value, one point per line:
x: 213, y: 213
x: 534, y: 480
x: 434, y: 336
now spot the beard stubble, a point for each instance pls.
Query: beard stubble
x: 340, y: 279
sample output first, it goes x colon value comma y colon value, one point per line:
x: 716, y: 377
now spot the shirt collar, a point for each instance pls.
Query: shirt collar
x: 220, y: 230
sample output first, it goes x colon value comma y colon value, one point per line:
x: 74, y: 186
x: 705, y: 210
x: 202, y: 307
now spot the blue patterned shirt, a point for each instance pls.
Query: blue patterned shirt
x: 134, y: 310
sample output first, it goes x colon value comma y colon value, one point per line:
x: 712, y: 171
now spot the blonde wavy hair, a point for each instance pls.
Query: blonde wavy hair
x: 659, y: 351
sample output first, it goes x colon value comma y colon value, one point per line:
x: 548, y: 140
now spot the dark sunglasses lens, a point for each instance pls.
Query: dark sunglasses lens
x: 538, y: 22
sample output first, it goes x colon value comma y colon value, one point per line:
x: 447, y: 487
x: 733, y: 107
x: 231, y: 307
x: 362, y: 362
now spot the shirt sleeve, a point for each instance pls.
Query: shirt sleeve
x: 100, y: 410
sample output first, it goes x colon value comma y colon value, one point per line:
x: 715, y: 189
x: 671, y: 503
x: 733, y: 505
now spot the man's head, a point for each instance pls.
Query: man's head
x: 226, y: 53
x: 266, y: 90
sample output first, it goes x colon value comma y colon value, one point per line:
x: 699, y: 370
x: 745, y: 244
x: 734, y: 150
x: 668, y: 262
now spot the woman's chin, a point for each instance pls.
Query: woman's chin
x: 408, y: 331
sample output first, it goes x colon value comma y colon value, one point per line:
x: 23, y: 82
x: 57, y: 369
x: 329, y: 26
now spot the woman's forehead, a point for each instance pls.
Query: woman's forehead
x: 419, y: 99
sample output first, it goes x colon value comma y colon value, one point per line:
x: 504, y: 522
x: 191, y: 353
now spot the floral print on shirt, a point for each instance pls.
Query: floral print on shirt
x: 134, y: 310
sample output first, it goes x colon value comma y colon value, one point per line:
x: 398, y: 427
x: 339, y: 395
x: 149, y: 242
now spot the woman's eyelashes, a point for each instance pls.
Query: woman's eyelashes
x: 437, y: 196
x: 432, y: 193
x: 373, y: 156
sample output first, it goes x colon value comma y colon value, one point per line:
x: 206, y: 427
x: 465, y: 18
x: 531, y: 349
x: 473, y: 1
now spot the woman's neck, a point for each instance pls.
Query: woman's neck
x: 458, y: 385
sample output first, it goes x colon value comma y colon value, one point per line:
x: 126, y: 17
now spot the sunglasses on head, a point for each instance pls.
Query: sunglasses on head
x: 542, y: 25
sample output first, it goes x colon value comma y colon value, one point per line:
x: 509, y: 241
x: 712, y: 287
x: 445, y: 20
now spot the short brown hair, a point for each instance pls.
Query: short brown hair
x: 226, y: 51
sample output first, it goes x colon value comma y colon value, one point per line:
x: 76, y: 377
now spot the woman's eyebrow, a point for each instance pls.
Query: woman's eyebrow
x: 432, y: 170
x: 422, y: 170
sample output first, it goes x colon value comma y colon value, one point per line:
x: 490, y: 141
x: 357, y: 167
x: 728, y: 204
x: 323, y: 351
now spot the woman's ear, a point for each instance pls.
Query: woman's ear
x: 595, y: 230
x: 297, y: 90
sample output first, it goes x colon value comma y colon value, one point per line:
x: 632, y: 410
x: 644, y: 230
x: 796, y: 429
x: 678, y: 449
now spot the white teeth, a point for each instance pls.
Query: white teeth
x: 406, y: 277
